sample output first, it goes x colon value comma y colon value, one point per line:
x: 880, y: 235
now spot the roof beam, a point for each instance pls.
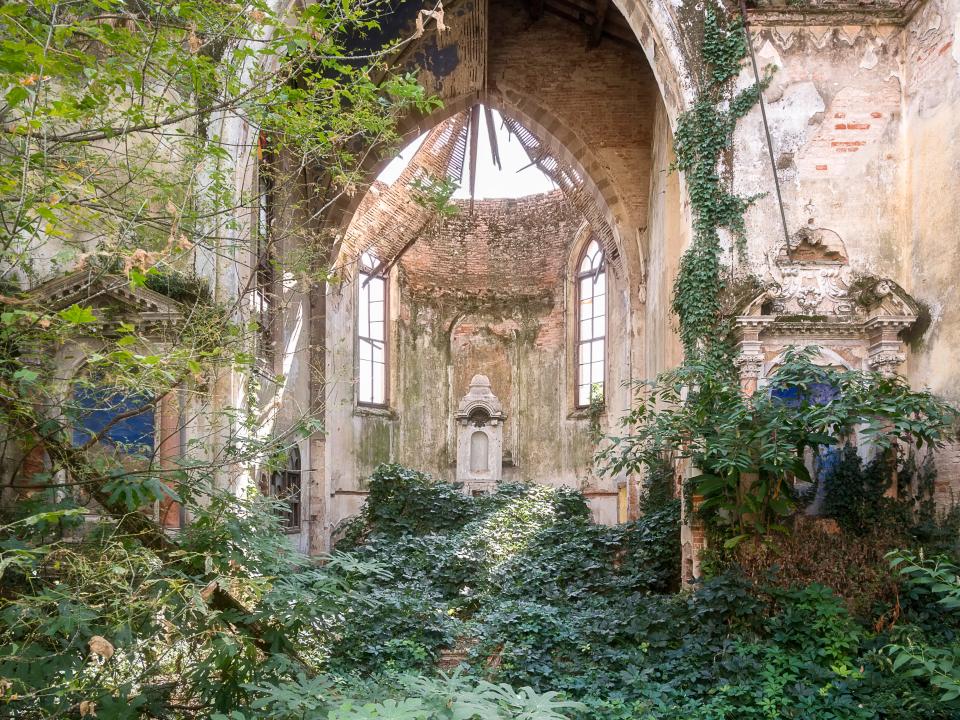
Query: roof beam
x: 492, y: 135
x: 474, y: 133
x: 576, y: 13
x: 600, y: 15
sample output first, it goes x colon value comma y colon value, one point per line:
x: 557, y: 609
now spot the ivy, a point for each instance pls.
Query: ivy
x: 703, y: 134
x: 750, y: 448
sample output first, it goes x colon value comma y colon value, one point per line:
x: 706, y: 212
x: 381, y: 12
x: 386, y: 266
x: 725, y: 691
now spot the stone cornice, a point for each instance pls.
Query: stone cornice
x: 832, y: 12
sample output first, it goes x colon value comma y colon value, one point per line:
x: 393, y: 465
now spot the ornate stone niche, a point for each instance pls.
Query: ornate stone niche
x: 479, y: 419
x: 815, y: 299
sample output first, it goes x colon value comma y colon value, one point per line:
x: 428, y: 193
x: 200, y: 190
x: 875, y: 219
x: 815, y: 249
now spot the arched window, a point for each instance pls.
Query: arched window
x: 372, y: 333
x: 591, y: 329
x: 285, y: 487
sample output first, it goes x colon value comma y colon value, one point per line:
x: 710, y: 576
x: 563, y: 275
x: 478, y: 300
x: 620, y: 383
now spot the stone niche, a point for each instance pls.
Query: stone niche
x: 479, y: 420
x: 857, y: 322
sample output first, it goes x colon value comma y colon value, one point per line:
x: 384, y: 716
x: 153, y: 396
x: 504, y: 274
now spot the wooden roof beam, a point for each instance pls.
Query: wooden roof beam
x: 596, y: 33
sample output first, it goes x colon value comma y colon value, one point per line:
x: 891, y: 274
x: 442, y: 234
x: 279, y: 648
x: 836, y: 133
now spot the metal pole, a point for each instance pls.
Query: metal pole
x: 766, y: 125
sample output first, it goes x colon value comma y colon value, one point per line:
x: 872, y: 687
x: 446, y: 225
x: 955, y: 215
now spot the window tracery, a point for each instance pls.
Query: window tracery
x: 371, y: 333
x: 591, y: 308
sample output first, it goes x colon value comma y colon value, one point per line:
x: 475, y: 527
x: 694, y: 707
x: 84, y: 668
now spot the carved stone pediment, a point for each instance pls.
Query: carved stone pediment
x: 815, y: 298
x: 112, y: 298
x: 813, y: 285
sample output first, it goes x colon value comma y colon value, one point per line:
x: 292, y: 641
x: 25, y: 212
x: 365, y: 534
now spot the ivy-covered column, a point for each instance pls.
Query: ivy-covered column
x: 693, y: 530
x: 704, y: 134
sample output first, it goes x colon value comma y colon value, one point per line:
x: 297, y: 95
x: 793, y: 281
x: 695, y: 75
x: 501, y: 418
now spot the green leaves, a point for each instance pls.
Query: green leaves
x: 751, y: 449
x: 26, y: 376
x: 77, y: 315
x: 703, y: 133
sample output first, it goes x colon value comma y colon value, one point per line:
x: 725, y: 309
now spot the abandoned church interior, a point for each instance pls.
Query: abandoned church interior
x: 500, y: 337
x: 538, y: 311
x: 480, y: 359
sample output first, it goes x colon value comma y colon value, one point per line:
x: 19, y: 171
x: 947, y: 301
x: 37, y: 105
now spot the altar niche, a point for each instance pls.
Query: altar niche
x: 479, y: 420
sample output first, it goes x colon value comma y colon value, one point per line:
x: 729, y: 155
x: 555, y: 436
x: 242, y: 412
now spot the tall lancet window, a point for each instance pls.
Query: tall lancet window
x: 591, y: 324
x: 371, y: 332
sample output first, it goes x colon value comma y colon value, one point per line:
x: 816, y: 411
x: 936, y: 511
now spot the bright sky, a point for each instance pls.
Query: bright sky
x: 511, y: 182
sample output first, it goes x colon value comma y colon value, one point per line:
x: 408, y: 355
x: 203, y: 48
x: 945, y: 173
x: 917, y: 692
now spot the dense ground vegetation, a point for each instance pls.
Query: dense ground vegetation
x: 514, y: 590
x: 111, y: 161
x: 536, y: 595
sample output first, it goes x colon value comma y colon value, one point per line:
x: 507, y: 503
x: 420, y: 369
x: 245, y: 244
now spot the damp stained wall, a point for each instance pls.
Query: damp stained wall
x: 862, y: 113
x: 488, y: 293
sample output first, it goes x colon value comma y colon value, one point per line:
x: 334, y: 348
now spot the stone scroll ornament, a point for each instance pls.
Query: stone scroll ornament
x: 815, y: 298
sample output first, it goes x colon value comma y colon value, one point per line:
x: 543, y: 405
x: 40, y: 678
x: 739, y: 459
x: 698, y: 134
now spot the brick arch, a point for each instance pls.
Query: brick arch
x: 657, y: 27
x: 562, y: 142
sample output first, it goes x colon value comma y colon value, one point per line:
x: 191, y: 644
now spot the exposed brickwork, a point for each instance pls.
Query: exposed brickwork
x: 504, y: 266
x: 596, y: 102
x: 388, y: 215
x: 507, y: 248
x: 592, y: 107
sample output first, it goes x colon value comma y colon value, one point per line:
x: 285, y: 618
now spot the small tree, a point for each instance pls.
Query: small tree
x: 750, y: 448
x: 126, y: 133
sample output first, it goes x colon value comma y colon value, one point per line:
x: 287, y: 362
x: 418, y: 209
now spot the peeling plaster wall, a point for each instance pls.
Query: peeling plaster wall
x: 834, y: 106
x: 930, y: 247
x: 487, y: 294
x: 667, y: 239
x: 864, y: 132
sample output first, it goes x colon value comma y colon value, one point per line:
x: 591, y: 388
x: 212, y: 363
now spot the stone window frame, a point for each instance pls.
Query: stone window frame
x: 585, y: 241
x: 279, y: 484
x: 365, y: 267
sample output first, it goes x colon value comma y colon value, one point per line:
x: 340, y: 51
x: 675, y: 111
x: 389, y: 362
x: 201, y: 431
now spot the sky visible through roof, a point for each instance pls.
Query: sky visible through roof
x: 515, y: 180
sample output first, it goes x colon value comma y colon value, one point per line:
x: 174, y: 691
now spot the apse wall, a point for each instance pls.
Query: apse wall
x: 486, y: 293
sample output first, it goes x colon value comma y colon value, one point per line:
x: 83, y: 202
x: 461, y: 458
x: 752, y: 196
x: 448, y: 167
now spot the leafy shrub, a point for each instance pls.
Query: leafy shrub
x: 403, y: 501
x: 544, y: 598
x: 856, y: 494
x: 399, y: 626
x: 934, y: 652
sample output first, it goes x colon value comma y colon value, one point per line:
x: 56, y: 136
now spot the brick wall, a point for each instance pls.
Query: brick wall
x: 506, y: 249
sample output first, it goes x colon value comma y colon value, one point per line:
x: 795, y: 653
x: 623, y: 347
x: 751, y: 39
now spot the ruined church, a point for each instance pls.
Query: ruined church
x: 498, y: 337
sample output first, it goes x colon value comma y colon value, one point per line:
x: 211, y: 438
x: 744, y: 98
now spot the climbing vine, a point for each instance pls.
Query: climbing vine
x: 703, y: 134
x: 750, y: 450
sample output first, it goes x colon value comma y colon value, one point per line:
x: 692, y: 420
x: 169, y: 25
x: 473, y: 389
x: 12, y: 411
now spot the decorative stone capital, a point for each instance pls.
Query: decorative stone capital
x: 751, y: 365
x: 886, y: 361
